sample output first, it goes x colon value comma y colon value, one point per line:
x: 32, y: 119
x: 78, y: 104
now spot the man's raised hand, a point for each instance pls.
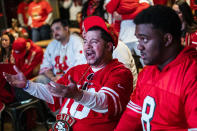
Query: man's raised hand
x: 69, y: 91
x: 17, y: 80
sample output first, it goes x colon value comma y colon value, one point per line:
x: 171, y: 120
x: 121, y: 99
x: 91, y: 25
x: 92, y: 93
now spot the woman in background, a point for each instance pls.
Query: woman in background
x: 6, y: 47
x: 7, y: 94
x: 189, y: 25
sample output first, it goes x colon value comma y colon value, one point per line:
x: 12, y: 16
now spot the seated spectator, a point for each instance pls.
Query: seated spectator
x: 165, y: 95
x: 40, y: 16
x: 27, y: 57
x: 95, y: 94
x: 6, y: 47
x: 17, y: 31
x: 189, y: 26
x: 121, y: 52
x: 7, y: 93
x: 64, y: 52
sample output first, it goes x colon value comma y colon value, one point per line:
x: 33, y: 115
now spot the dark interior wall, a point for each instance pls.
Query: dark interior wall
x: 11, y: 9
x: 8, y: 9
x: 2, y: 17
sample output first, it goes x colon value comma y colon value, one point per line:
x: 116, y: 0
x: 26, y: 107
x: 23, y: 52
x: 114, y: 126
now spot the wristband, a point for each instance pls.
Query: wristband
x: 27, y: 85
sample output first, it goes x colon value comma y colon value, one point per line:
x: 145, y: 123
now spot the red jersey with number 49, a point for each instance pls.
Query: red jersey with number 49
x: 114, y: 80
x: 164, y: 100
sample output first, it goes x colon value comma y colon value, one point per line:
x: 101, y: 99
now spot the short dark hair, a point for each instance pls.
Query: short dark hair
x: 64, y: 22
x: 162, y: 18
x: 104, y: 35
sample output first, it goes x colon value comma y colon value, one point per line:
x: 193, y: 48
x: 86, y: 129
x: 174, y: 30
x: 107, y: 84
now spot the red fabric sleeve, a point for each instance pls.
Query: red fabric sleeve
x: 112, y: 6
x: 29, y: 9
x: 190, y: 94
x: 128, y: 121
x: 193, y: 5
x: 131, y: 118
x: 135, y: 12
x: 27, y: 69
x: 160, y: 2
x: 47, y: 7
x: 19, y: 9
x: 57, y: 105
x: 118, y: 91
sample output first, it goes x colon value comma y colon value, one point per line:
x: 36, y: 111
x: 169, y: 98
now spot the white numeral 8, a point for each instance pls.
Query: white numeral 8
x: 148, y: 116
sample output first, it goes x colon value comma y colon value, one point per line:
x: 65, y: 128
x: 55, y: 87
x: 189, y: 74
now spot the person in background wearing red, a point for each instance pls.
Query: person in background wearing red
x: 22, y: 13
x: 193, y: 5
x: 189, y: 25
x: 27, y: 56
x: 16, y: 30
x: 40, y: 16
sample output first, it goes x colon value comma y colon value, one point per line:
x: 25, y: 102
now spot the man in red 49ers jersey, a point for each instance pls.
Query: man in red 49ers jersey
x: 95, y: 94
x: 166, y: 91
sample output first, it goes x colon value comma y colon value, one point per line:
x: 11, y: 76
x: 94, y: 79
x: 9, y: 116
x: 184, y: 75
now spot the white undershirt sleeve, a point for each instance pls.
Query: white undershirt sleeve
x: 95, y: 101
x: 49, y: 18
x: 40, y: 91
x: 29, y: 21
x: 20, y: 19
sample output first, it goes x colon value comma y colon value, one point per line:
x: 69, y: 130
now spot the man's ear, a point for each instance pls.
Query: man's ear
x: 28, y: 45
x: 109, y: 46
x: 168, y: 39
x: 66, y: 28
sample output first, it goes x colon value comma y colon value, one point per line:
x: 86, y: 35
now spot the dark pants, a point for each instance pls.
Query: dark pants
x: 22, y: 95
x: 41, y: 33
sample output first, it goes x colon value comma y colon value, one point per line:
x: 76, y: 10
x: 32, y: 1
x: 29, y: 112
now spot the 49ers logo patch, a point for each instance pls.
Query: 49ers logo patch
x: 63, y: 122
x: 61, y: 126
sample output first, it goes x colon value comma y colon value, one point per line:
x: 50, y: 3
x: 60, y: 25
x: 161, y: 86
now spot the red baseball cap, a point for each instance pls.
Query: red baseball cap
x: 19, y: 47
x: 92, y: 21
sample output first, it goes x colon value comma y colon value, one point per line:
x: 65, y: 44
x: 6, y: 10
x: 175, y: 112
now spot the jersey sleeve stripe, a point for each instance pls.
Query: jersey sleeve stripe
x: 114, y: 99
x: 115, y: 93
x: 192, y: 129
x: 135, y: 105
x: 194, y: 42
x: 134, y: 109
x: 109, y: 89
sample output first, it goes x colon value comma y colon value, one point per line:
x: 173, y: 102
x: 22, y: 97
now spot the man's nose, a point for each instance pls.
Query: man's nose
x: 88, y: 45
x: 140, y: 46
